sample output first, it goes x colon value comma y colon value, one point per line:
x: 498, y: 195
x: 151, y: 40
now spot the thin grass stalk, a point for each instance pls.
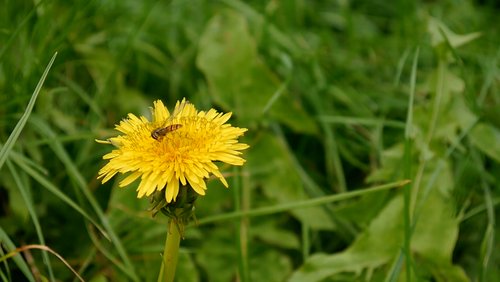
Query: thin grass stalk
x: 9, y: 144
x: 8, y: 276
x: 306, y: 242
x: 302, y: 204
x: 245, y: 223
x: 408, y: 160
x: 332, y: 149
x: 241, y: 226
x: 488, y: 242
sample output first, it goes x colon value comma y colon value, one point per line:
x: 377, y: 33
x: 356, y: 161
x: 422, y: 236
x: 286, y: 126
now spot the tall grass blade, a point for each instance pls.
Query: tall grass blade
x: 53, y: 189
x: 4, y: 153
x: 278, y: 93
x: 364, y: 121
x: 302, y: 204
x: 488, y: 242
x: 393, y: 274
x: 401, y: 64
x: 242, y: 226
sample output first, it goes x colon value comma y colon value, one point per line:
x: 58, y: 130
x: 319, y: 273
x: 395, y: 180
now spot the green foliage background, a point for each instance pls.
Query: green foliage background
x: 337, y: 95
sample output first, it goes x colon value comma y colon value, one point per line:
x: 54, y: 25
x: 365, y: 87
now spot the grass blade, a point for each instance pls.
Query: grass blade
x: 405, y: 253
x: 4, y: 153
x: 81, y: 184
x: 302, y: 204
x: 364, y: 121
x: 18, y: 259
x: 53, y: 189
x: 408, y: 173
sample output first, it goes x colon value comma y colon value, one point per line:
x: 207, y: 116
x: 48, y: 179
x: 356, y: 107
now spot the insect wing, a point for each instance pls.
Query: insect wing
x: 163, y: 130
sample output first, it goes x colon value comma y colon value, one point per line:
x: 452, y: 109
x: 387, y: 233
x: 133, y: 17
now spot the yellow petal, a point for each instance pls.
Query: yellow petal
x: 172, y: 190
x: 129, y: 179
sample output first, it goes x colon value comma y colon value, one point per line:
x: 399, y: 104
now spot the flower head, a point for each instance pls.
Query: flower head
x: 173, y: 149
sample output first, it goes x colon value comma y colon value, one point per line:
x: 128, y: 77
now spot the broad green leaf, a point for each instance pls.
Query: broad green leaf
x: 240, y: 81
x: 370, y: 204
x: 267, y: 264
x: 436, y: 29
x: 461, y: 114
x: 371, y: 249
x: 270, y: 233
x: 455, y: 118
x: 487, y: 139
x: 447, y: 113
x: 391, y: 160
x: 218, y: 254
x: 18, y: 211
x: 445, y: 273
x: 270, y: 165
x: 432, y: 242
x: 186, y: 268
x: 448, y: 83
x: 436, y: 230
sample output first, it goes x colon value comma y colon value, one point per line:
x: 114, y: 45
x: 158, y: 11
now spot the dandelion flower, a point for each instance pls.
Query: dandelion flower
x: 173, y: 150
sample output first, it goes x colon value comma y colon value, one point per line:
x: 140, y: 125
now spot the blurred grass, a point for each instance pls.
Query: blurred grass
x: 332, y: 100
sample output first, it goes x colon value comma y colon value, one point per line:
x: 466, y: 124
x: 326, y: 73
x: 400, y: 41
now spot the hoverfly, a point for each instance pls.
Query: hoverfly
x: 161, y: 131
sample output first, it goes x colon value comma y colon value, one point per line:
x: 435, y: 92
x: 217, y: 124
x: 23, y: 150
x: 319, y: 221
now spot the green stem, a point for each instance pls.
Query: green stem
x: 170, y: 253
x: 301, y: 204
